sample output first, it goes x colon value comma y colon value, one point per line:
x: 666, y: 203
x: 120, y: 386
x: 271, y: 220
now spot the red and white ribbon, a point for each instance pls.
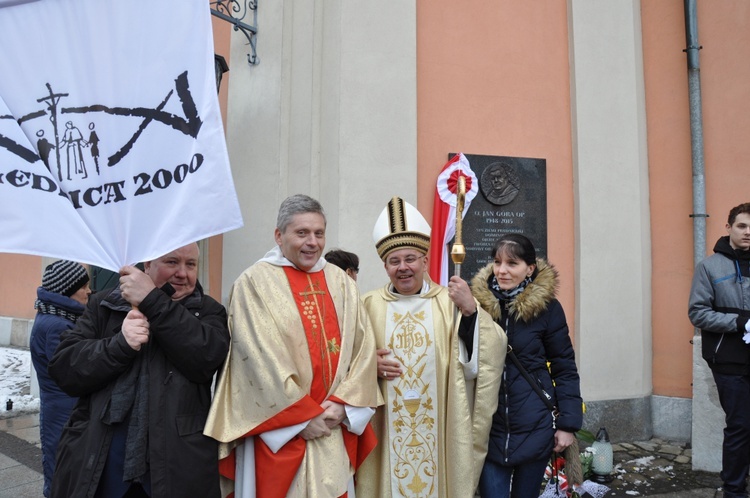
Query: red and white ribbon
x: 444, y: 213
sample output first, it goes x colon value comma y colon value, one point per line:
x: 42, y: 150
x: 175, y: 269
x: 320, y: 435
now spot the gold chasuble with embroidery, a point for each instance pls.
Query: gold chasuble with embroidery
x: 298, y: 339
x: 434, y: 427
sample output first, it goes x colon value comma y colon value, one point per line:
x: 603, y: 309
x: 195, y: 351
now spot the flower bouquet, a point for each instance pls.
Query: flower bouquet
x: 567, y: 475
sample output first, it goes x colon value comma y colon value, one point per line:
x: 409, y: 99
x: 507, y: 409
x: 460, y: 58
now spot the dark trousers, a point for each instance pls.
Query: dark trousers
x: 111, y: 484
x: 734, y: 396
x: 521, y: 481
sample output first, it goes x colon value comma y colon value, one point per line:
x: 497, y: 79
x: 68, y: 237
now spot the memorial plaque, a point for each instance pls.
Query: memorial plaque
x: 512, y: 198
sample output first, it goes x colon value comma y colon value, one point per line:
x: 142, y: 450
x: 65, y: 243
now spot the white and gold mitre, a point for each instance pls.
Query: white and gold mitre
x: 400, y: 226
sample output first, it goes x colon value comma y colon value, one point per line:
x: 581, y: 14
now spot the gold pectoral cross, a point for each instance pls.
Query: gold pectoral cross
x: 307, y: 293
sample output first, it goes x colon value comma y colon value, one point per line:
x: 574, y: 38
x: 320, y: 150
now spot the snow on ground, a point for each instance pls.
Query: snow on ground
x: 644, y: 461
x: 15, y: 381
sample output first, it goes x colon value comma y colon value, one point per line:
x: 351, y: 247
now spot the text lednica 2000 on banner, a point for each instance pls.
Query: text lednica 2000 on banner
x: 110, y: 132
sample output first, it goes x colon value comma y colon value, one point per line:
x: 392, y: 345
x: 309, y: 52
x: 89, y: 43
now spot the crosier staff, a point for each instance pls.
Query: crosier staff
x: 458, y: 251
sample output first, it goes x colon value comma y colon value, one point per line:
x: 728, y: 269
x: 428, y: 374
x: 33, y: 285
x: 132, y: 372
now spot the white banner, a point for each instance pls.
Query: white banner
x: 112, y: 149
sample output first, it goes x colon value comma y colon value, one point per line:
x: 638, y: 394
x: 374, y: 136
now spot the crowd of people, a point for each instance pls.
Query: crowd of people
x: 302, y: 386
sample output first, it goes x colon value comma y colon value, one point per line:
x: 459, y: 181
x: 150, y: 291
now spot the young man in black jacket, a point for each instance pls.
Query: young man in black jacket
x: 720, y: 307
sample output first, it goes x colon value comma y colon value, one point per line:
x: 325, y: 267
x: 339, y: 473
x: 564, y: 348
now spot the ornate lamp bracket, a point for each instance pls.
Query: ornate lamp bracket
x: 234, y: 12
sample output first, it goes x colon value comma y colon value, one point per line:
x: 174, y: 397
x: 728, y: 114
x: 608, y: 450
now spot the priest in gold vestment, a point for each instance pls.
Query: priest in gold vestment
x: 295, y: 397
x: 439, y: 374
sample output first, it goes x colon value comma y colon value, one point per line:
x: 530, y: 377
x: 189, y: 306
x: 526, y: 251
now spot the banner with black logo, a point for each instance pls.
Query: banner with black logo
x: 112, y: 149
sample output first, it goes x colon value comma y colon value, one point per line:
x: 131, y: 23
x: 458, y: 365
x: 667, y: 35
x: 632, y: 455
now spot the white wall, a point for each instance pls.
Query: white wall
x: 613, y: 261
x: 330, y: 111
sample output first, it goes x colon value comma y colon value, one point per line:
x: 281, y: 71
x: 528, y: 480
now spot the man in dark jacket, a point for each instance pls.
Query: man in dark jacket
x: 142, y: 359
x: 720, y: 307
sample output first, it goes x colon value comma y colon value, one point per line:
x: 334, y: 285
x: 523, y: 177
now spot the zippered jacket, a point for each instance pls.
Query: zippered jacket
x: 522, y: 428
x: 720, y: 307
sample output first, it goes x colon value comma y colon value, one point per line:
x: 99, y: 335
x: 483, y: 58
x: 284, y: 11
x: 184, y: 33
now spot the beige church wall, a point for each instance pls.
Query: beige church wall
x: 212, y: 255
x: 679, y: 370
x: 726, y: 123
x: 495, y: 81
x: 21, y: 276
x: 330, y: 111
x: 564, y: 83
x: 612, y: 197
x: 671, y: 200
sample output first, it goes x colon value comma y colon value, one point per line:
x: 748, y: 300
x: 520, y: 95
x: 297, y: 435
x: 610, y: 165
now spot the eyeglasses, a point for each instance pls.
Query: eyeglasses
x: 409, y: 260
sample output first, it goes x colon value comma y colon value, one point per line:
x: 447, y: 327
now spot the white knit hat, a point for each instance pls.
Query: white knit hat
x: 400, y: 226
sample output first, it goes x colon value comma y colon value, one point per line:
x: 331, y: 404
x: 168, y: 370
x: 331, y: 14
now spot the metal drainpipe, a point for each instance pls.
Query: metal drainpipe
x: 696, y: 132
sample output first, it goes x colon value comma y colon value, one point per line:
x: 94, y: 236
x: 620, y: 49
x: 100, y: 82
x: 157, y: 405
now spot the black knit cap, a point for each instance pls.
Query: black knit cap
x: 64, y: 277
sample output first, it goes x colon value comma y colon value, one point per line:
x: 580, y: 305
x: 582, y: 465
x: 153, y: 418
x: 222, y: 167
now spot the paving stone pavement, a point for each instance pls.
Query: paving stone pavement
x: 659, y: 468
x: 20, y: 457
x: 656, y: 468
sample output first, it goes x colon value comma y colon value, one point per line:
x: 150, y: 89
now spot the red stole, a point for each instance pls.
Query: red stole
x: 318, y: 314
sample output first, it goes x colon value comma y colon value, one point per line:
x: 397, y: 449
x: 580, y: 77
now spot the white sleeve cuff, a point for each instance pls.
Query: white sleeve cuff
x: 357, y: 418
x: 277, y: 438
x: 471, y: 367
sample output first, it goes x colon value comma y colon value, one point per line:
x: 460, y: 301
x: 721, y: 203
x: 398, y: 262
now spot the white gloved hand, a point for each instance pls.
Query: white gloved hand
x: 747, y: 326
x: 746, y: 335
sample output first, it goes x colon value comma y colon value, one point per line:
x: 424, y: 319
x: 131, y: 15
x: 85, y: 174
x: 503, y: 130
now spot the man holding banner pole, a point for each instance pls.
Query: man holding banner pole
x: 439, y: 366
x: 142, y: 360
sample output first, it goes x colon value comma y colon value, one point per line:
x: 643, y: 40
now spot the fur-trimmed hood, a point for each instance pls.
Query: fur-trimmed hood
x: 527, y: 305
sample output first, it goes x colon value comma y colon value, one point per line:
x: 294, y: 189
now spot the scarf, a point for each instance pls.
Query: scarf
x: 50, y: 309
x: 507, y: 295
x: 130, y: 395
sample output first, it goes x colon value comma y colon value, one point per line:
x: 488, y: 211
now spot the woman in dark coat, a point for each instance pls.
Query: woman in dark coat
x: 60, y: 302
x: 518, y: 290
